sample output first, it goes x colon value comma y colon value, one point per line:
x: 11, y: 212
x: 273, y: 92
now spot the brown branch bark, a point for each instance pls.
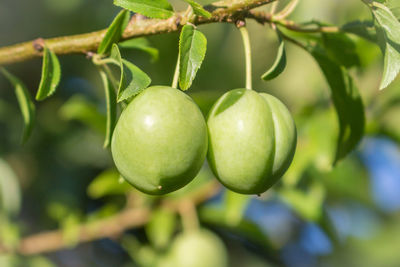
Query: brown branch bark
x: 226, y: 11
x: 109, y: 227
x: 263, y: 17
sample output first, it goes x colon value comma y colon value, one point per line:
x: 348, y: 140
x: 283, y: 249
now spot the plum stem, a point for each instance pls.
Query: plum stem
x: 247, y: 52
x: 176, y: 75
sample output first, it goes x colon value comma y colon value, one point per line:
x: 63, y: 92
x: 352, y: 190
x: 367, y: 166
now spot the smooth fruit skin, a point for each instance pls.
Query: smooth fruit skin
x: 198, y: 248
x: 252, y: 140
x: 160, y: 141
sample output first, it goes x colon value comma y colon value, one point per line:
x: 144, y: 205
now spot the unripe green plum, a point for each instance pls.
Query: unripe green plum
x: 198, y: 248
x: 252, y: 140
x: 160, y: 141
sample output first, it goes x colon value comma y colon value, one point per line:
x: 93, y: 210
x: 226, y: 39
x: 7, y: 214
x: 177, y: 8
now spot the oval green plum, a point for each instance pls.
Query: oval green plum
x: 252, y: 139
x: 160, y: 141
x: 198, y: 248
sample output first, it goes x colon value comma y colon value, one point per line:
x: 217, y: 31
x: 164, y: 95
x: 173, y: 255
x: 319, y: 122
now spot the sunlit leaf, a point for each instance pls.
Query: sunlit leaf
x: 192, y: 49
x: 279, y: 63
x: 160, y: 9
x: 132, y: 80
x: 111, y: 102
x: 388, y: 30
x: 347, y: 102
x: 140, y: 44
x: 198, y: 9
x: 51, y: 75
x: 394, y: 6
x: 114, y: 32
x: 25, y: 103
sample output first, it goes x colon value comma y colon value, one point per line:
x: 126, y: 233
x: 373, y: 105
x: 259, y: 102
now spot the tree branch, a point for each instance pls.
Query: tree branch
x: 226, y: 11
x: 109, y: 227
x: 142, y: 26
x: 263, y: 17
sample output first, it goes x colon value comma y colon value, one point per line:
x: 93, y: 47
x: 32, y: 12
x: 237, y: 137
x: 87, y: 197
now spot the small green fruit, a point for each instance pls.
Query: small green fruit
x: 160, y: 141
x: 198, y: 248
x: 252, y: 140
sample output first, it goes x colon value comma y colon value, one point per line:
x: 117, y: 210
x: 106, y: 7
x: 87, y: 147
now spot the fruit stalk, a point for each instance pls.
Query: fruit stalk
x: 247, y: 52
x: 176, y: 75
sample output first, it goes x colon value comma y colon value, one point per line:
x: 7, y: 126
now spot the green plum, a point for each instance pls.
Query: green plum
x: 198, y: 248
x: 160, y: 141
x: 252, y: 140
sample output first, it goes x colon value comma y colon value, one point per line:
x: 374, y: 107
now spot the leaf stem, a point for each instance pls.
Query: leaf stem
x: 176, y: 74
x: 247, y: 52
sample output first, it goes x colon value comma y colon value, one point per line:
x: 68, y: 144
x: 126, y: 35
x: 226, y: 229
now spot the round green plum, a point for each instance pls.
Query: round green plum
x: 252, y: 140
x: 198, y: 248
x: 160, y: 141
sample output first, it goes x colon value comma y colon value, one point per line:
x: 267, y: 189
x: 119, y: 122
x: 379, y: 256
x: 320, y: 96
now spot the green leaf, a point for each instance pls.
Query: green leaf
x: 107, y: 183
x: 388, y: 29
x: 394, y: 6
x: 111, y: 102
x: 79, y: 108
x: 114, y: 32
x: 229, y: 99
x: 160, y: 228
x: 141, y: 44
x: 192, y: 49
x: 25, y: 103
x: 133, y: 80
x: 198, y: 9
x: 160, y: 9
x: 347, y: 101
x: 10, y: 193
x: 364, y: 29
x: 51, y: 74
x: 279, y: 64
x: 341, y: 49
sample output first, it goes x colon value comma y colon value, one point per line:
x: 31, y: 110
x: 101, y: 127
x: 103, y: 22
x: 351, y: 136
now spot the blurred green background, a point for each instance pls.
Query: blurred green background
x: 316, y: 216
